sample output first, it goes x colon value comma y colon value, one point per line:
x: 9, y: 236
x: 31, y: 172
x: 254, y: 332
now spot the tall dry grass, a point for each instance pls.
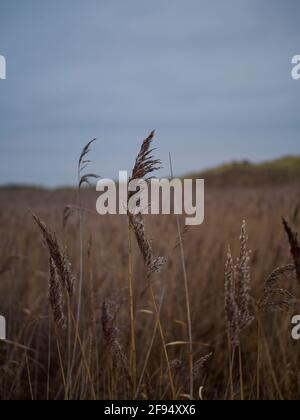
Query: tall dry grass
x: 132, y: 342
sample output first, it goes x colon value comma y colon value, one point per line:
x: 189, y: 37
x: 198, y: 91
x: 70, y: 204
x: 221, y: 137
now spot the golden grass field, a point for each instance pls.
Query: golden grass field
x: 95, y: 361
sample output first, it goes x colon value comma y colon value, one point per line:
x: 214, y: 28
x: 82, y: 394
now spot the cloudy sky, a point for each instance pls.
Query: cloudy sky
x: 212, y: 76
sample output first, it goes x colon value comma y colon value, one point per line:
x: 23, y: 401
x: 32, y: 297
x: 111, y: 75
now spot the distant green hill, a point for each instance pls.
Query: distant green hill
x: 280, y: 171
x: 285, y: 170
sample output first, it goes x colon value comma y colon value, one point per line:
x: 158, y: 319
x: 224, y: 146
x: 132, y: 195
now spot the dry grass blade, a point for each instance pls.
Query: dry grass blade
x: 60, y: 260
x: 295, y: 247
x: 296, y: 213
x: 187, y: 295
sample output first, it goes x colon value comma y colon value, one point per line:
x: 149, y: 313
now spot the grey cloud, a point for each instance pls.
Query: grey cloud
x: 212, y: 76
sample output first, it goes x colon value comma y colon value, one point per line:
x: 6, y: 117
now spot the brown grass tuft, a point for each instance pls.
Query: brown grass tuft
x: 59, y: 258
x: 237, y: 291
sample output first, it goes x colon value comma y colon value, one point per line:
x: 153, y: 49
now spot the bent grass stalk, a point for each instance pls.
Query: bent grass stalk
x: 231, y: 358
x: 241, y: 374
x: 82, y: 179
x: 145, y: 164
x: 165, y: 351
x: 131, y: 309
x: 84, y: 359
x: 150, y: 346
x: 187, y: 297
x: 258, y: 359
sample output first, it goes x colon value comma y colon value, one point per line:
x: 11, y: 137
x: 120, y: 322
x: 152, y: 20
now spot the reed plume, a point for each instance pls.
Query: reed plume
x: 237, y: 290
x: 179, y: 368
x: 275, y: 298
x: 111, y: 334
x: 83, y: 163
x: 59, y: 258
x: 200, y: 364
x: 145, y: 165
x: 61, y: 278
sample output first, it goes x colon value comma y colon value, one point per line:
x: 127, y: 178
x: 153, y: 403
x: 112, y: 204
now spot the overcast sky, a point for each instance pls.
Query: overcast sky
x: 212, y: 76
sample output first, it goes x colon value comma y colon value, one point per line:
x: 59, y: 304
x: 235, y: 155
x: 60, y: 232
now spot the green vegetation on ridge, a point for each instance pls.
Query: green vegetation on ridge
x: 245, y: 173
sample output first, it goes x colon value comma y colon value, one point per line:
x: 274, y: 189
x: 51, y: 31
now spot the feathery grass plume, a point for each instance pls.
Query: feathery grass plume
x: 145, y: 165
x: 110, y: 309
x: 56, y: 298
x: 200, y: 364
x: 237, y: 290
x: 83, y: 164
x: 275, y: 298
x: 83, y: 161
x: 295, y: 246
x: 153, y: 265
x: 60, y: 260
x: 179, y: 367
